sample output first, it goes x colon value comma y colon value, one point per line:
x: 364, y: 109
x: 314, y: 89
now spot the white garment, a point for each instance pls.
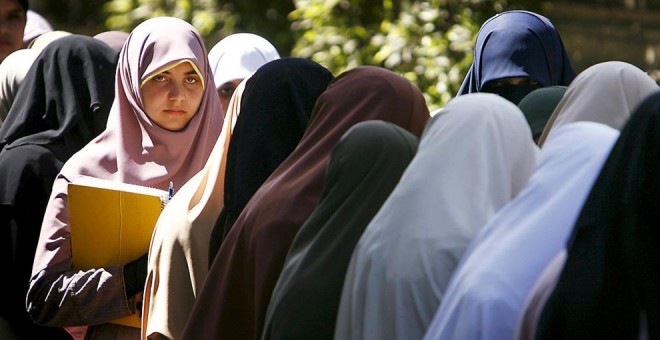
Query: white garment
x: 35, y: 25
x: 539, y: 294
x: 487, y: 292
x: 179, y: 250
x: 12, y: 72
x: 474, y: 156
x: 239, y: 55
x: 605, y: 93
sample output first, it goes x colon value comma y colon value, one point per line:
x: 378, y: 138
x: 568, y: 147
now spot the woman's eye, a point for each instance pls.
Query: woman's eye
x: 227, y: 91
x: 15, y: 16
x: 159, y: 78
x: 191, y: 80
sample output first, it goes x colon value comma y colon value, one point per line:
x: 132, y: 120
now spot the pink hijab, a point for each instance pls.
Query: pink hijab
x: 135, y: 150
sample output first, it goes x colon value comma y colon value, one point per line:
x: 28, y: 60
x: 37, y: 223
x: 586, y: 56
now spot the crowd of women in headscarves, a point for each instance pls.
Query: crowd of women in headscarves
x: 316, y: 206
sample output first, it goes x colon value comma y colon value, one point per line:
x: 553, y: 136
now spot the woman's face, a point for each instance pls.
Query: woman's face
x: 513, y: 89
x: 225, y: 91
x: 12, y: 25
x: 172, y: 97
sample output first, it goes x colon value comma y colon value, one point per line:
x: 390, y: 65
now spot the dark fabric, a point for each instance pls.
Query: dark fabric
x: 29, y: 171
x: 233, y: 302
x: 611, y: 275
x: 135, y: 275
x: 65, y: 96
x: 538, y: 106
x: 218, y: 234
x: 518, y: 44
x: 512, y: 92
x: 53, y: 116
x: 25, y: 4
x: 364, y: 167
x: 275, y: 108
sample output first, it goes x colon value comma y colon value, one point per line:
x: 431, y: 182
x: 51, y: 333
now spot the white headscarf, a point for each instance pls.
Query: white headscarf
x: 474, y: 157
x: 487, y: 292
x: 238, y: 55
x: 606, y: 93
x: 35, y: 25
x: 12, y: 72
x: 39, y: 43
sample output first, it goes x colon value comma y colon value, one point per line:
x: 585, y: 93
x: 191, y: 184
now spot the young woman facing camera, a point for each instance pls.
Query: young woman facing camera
x: 162, y: 127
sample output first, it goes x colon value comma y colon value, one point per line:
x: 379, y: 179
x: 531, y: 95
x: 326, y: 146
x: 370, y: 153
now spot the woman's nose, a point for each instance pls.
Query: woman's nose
x: 176, y: 91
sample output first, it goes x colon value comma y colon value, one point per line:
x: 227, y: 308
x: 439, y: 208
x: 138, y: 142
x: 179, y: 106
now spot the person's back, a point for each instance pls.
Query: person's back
x: 63, y: 103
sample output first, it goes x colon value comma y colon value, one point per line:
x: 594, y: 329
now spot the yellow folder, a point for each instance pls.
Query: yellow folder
x: 111, y: 224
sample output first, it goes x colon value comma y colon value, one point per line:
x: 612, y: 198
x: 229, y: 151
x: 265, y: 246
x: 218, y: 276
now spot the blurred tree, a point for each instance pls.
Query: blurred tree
x: 430, y: 42
x: 214, y: 19
x: 76, y: 16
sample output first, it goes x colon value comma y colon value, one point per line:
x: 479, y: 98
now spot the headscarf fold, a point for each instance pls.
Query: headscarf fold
x: 35, y: 25
x: 241, y: 279
x: 518, y: 44
x: 474, y: 157
x: 279, y: 99
x: 39, y: 43
x: 238, y: 55
x: 364, y: 167
x: 65, y: 99
x: 135, y: 150
x: 268, y: 128
x: 63, y: 103
x: 12, y: 73
x: 538, y: 106
x: 114, y: 39
x: 609, y: 286
x: 487, y: 291
x: 605, y: 93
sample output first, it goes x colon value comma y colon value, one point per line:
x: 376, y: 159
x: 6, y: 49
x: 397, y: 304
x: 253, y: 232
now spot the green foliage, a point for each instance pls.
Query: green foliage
x: 210, y: 20
x: 430, y: 42
x: 214, y: 19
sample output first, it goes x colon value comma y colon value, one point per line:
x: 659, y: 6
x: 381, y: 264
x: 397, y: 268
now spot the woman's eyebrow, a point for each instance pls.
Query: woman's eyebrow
x: 187, y: 73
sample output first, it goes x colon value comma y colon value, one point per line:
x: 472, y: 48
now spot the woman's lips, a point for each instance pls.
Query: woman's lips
x: 175, y: 111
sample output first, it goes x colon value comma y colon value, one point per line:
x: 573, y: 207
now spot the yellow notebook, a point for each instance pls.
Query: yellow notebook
x: 111, y: 224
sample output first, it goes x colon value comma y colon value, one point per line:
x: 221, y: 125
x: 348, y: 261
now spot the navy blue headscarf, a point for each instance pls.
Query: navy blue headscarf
x: 518, y: 44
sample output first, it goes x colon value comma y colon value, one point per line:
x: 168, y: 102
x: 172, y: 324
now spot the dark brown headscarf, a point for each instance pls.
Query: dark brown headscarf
x: 233, y: 302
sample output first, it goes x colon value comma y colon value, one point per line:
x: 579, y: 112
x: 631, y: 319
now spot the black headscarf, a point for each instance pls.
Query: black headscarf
x: 363, y: 169
x: 24, y: 4
x: 62, y: 104
x: 275, y: 109
x: 65, y: 97
x: 611, y: 277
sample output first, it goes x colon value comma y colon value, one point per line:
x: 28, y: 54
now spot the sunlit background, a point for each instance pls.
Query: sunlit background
x: 430, y: 42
